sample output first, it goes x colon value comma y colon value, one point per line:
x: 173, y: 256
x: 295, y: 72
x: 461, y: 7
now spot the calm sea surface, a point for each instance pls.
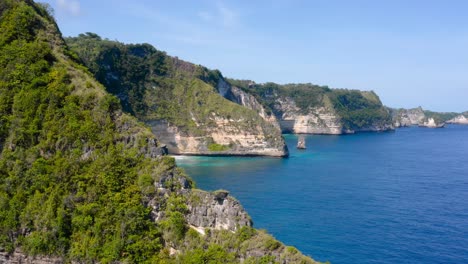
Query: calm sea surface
x: 397, y: 197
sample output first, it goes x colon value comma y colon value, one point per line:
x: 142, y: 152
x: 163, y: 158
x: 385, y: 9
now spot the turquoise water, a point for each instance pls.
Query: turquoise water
x: 397, y: 197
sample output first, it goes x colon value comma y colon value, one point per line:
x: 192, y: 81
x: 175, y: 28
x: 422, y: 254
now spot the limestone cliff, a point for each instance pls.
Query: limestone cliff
x: 407, y: 117
x: 245, y: 99
x: 459, y: 120
x: 82, y: 181
x: 419, y: 117
x: 180, y: 100
x: 312, y: 109
x: 431, y: 123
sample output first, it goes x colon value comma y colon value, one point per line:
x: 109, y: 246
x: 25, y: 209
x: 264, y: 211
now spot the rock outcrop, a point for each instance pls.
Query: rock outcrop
x: 191, y: 109
x: 459, y: 120
x: 301, y: 142
x: 18, y: 257
x: 407, y: 117
x: 216, y: 211
x: 317, y: 120
x: 311, y: 109
x: 222, y: 139
x: 419, y: 117
x: 90, y: 183
x: 247, y: 100
x: 431, y: 123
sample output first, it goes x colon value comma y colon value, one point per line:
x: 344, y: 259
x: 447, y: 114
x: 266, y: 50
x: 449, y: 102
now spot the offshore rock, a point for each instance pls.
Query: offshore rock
x: 301, y: 143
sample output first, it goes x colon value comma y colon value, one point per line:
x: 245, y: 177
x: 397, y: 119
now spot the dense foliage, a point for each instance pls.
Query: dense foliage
x: 357, y: 109
x: 53, y: 199
x: 75, y: 175
x: 154, y: 86
x: 440, y: 117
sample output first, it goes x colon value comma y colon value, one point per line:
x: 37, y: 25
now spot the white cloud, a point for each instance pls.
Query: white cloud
x: 228, y: 16
x: 69, y: 6
x: 222, y: 14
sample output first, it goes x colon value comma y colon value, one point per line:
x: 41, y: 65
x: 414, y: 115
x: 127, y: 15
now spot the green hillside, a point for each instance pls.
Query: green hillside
x: 77, y: 174
x: 357, y: 109
x: 154, y: 86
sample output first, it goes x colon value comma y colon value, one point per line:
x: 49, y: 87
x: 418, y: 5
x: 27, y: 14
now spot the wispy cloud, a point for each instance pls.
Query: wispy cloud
x: 228, y: 16
x: 223, y: 14
x: 69, y: 6
x: 209, y: 26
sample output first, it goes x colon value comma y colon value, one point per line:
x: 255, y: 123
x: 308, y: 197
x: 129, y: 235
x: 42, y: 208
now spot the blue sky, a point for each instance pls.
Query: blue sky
x: 410, y: 52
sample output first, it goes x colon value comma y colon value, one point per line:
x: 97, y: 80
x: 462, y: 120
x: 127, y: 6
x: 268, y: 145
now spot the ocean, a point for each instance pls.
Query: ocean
x: 392, y: 197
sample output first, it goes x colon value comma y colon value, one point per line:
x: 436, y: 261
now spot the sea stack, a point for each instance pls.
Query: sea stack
x: 301, y: 144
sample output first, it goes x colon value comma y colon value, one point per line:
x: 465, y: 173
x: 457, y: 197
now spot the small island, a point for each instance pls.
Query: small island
x: 301, y: 143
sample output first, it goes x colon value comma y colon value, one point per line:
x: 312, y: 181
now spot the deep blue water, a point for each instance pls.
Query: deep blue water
x: 397, y: 197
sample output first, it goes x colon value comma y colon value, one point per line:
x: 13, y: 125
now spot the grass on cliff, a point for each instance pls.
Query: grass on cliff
x: 154, y: 86
x: 54, y: 200
x: 74, y: 180
x: 357, y: 109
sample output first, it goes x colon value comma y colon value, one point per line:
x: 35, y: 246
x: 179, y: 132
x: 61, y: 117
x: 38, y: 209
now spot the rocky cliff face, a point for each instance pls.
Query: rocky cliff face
x: 408, y: 117
x: 181, y: 101
x: 459, y: 120
x: 317, y: 120
x: 19, y: 257
x: 205, y: 210
x: 89, y: 183
x: 431, y: 123
x: 216, y: 211
x: 222, y: 138
x: 419, y: 117
x: 247, y: 100
x: 311, y: 109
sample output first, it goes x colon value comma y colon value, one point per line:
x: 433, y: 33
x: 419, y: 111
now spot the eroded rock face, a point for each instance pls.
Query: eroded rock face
x: 258, y: 142
x: 212, y: 210
x: 408, y: 117
x: 247, y: 100
x: 290, y: 118
x: 216, y: 210
x: 317, y: 120
x: 20, y: 258
x: 431, y: 123
x: 460, y: 120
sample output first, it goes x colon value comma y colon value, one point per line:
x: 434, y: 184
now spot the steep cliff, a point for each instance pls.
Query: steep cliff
x: 312, y: 109
x: 419, y: 117
x: 460, y: 120
x: 178, y: 100
x: 431, y: 123
x: 82, y: 181
x: 407, y: 117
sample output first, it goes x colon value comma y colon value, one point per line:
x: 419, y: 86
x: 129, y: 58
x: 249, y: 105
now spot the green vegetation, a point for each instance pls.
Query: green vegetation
x: 53, y: 199
x: 217, y: 147
x: 75, y: 174
x: 357, y: 109
x: 440, y: 117
x: 154, y: 86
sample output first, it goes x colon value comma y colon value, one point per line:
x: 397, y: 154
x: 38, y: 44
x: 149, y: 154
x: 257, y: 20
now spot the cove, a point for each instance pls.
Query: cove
x: 394, y: 197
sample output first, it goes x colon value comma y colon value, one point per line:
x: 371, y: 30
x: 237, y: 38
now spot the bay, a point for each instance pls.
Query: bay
x: 396, y: 197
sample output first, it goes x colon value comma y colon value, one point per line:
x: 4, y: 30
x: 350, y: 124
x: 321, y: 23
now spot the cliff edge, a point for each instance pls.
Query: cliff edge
x: 178, y: 100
